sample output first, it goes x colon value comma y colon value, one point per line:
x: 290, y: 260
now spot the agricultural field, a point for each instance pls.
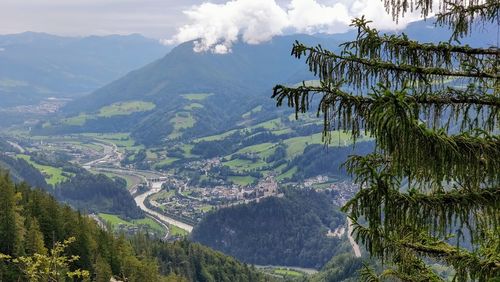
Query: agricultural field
x: 216, y: 137
x: 256, y: 156
x: 273, y: 124
x: 251, y: 112
x: 240, y: 165
x: 193, y: 106
x: 116, y: 109
x: 288, y: 272
x: 131, y: 180
x: 162, y: 195
x: 196, y: 96
x: 176, y: 231
x: 125, y: 108
x: 165, y: 162
x: 242, y: 180
x: 119, y: 224
x: 287, y: 174
x: 182, y: 120
x: 78, y: 120
x: 122, y: 140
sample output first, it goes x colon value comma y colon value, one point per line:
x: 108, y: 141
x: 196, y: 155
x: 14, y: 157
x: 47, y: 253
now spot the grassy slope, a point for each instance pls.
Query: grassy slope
x: 115, y: 221
x: 53, y: 175
x: 115, y: 109
x: 295, y: 146
x: 125, y: 108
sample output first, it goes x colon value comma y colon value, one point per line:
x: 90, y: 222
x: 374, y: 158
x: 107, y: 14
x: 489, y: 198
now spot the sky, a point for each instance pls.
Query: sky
x: 217, y: 24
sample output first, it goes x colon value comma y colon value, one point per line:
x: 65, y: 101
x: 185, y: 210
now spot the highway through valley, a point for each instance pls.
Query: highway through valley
x: 110, y: 163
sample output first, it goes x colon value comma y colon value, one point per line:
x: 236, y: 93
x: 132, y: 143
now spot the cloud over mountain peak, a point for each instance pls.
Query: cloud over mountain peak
x: 216, y: 27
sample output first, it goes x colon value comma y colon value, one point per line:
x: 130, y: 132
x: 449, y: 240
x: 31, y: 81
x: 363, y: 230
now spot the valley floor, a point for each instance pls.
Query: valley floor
x: 164, y: 195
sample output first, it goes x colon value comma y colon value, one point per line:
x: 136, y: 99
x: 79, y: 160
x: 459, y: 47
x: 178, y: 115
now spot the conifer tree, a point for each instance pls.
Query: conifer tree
x: 33, y: 239
x: 11, y: 222
x: 103, y: 271
x: 430, y: 190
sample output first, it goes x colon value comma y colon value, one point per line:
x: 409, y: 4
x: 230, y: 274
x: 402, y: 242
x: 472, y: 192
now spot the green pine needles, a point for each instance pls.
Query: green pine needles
x: 430, y: 193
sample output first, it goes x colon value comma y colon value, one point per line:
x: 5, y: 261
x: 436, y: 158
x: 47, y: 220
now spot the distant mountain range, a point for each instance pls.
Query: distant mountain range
x: 34, y: 66
x: 212, y: 90
x: 248, y: 70
x: 230, y: 85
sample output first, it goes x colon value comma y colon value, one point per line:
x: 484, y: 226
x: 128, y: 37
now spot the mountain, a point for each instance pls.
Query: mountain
x: 34, y: 66
x: 239, y: 81
x: 290, y: 231
x: 195, y: 88
x: 246, y: 70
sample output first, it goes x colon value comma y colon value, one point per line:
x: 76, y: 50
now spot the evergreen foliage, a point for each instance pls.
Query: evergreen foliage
x: 434, y: 111
x: 32, y: 222
x: 98, y: 194
x: 288, y: 231
x: 21, y: 170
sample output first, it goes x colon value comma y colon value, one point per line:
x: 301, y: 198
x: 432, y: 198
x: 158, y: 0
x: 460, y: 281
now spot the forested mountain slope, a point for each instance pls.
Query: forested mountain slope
x: 20, y: 170
x: 187, y: 87
x: 288, y: 231
x: 188, y: 94
x: 31, y: 221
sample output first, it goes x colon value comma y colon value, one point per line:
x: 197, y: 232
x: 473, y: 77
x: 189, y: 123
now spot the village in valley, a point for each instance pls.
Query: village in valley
x: 165, y: 194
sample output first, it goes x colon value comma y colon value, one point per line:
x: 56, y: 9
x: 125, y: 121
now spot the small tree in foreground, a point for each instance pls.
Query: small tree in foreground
x: 52, y: 267
x: 430, y: 191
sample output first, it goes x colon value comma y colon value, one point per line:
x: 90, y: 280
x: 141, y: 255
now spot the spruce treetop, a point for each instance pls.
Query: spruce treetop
x: 430, y: 191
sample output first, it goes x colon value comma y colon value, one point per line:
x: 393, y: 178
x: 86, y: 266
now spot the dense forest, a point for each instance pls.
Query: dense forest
x: 84, y: 191
x: 319, y: 160
x: 21, y: 170
x: 98, y: 193
x: 32, y: 222
x: 277, y: 231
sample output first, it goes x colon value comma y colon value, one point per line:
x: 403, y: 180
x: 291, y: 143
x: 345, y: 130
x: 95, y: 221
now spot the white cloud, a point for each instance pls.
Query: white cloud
x: 216, y: 27
x: 309, y: 16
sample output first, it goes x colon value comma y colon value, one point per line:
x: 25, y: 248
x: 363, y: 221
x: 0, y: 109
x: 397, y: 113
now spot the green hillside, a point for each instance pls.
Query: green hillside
x: 31, y: 221
x: 188, y: 90
x: 289, y: 231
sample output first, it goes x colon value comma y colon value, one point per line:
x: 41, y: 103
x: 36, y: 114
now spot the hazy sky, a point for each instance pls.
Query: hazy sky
x: 219, y: 23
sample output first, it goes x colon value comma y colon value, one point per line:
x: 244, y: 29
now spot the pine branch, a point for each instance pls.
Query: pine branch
x: 459, y: 15
x: 438, y: 212
x: 427, y: 153
x: 472, y: 107
x: 398, y: 8
x: 467, y: 264
x: 362, y: 73
x: 452, y: 177
x: 402, y: 245
x: 399, y: 48
x: 448, y: 96
x: 460, y: 18
x: 392, y: 119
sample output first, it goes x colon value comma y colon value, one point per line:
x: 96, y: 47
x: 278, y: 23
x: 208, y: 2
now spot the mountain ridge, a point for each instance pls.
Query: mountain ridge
x: 238, y: 81
x: 42, y: 65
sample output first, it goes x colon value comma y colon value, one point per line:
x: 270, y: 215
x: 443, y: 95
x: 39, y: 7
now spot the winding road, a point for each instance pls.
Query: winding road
x: 355, y: 246
x: 139, y: 200
x: 112, y: 157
